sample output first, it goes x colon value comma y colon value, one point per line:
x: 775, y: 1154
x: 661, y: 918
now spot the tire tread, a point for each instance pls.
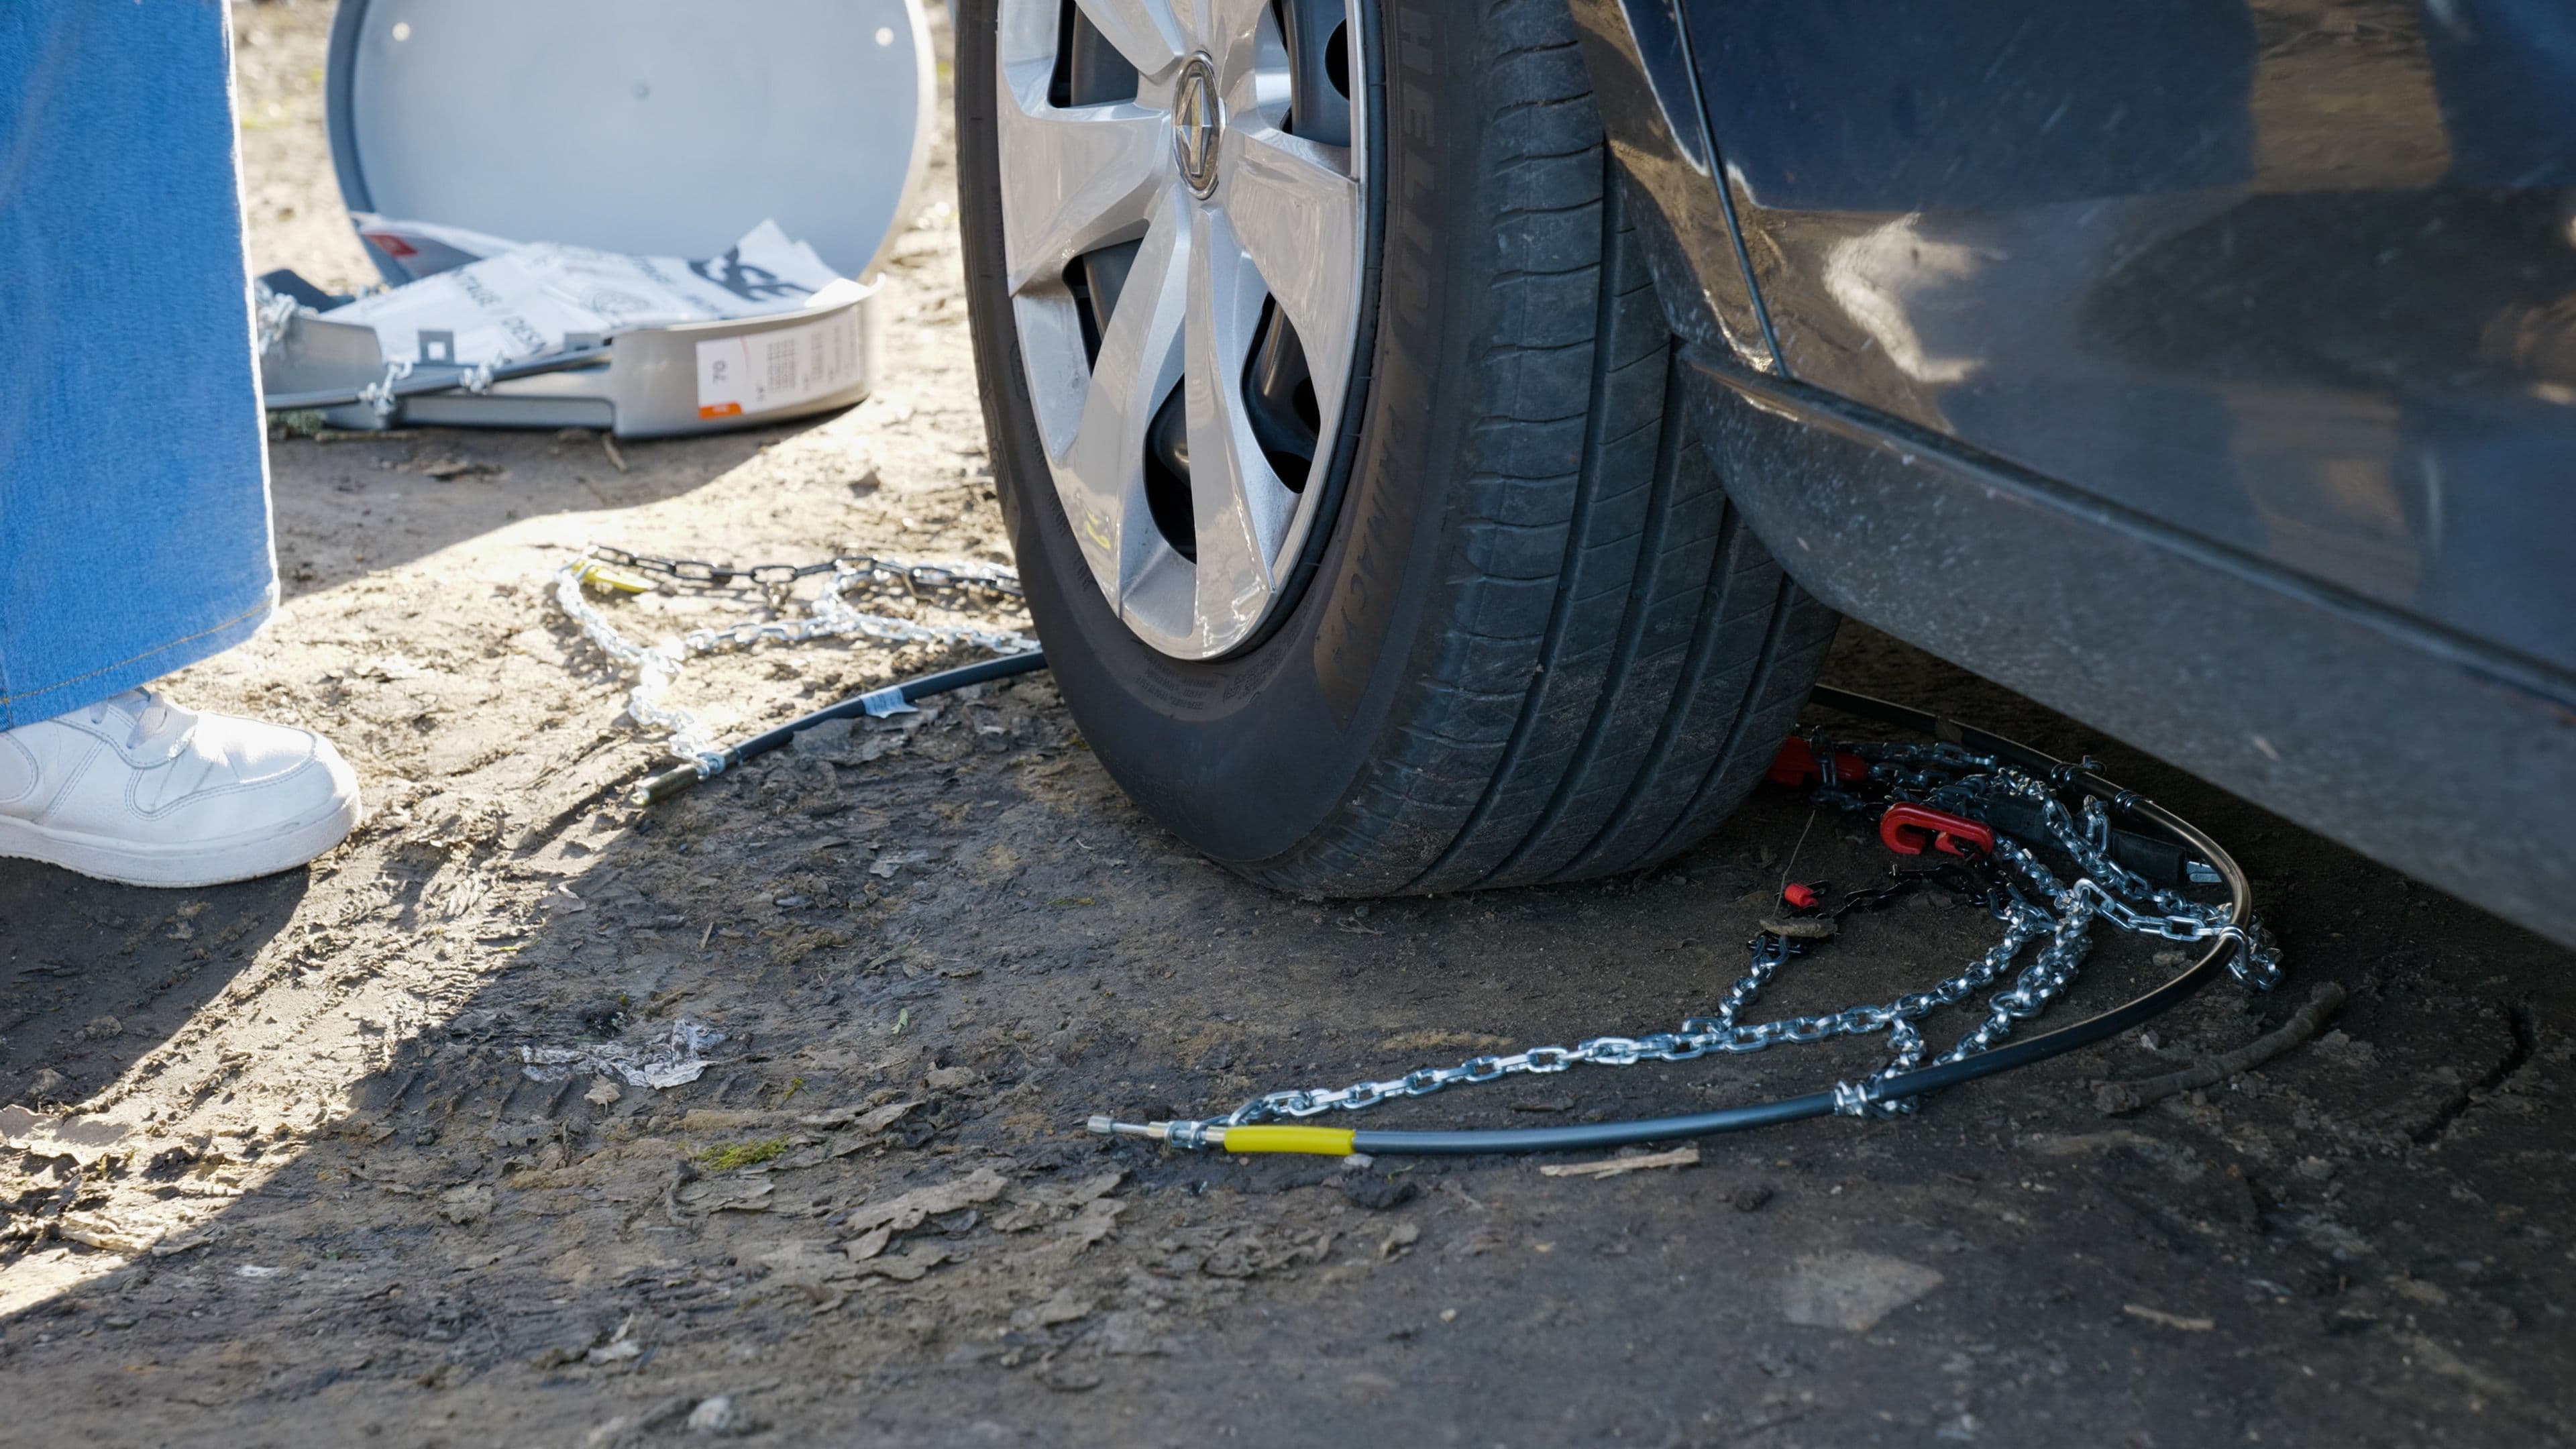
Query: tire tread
x: 1618, y: 647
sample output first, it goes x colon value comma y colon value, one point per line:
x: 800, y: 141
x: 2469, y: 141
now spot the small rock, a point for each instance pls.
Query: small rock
x: 664, y: 1414
x: 717, y: 1416
x: 1751, y: 1197
x: 102, y: 1027
x: 2315, y: 1169
x: 1377, y: 1192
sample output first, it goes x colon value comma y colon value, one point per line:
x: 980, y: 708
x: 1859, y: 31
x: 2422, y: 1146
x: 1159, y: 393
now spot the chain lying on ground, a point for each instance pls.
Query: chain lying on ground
x: 1951, y: 796
x: 955, y: 584
x: 656, y: 667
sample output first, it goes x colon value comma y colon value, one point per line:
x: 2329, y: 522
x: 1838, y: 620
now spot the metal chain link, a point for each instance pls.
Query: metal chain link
x: 950, y: 583
x: 379, y: 396
x: 656, y: 667
x: 275, y: 312
x: 2060, y: 918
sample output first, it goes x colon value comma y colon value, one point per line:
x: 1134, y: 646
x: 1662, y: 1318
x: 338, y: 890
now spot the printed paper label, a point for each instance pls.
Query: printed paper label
x: 759, y: 371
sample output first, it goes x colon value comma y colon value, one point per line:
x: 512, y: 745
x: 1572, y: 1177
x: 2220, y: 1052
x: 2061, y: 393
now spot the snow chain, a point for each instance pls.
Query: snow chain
x: 1939, y: 796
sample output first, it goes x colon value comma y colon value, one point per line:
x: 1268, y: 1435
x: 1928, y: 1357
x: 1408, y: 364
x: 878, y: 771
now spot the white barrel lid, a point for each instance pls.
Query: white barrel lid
x: 653, y: 127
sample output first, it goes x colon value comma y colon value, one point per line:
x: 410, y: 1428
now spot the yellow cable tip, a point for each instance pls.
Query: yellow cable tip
x: 1320, y: 1141
x: 606, y: 575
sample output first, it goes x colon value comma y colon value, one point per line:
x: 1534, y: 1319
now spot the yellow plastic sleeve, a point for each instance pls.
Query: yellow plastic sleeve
x: 1322, y: 1141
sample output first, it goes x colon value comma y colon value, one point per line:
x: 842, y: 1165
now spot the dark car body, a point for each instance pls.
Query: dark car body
x: 2205, y: 370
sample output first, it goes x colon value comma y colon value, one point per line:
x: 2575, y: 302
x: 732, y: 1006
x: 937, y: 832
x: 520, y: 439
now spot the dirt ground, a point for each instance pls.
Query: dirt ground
x: 277, y: 1171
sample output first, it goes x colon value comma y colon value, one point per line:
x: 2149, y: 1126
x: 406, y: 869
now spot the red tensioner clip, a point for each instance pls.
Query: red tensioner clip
x: 1796, y: 764
x: 1907, y: 828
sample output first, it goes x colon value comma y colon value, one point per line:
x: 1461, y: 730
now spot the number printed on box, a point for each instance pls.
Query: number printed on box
x: 758, y: 372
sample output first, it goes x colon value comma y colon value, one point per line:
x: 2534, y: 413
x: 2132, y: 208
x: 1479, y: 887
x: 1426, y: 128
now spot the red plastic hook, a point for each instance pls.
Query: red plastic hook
x: 1906, y: 828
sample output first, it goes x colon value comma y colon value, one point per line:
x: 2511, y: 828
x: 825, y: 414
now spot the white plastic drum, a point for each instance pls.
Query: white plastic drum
x: 657, y: 127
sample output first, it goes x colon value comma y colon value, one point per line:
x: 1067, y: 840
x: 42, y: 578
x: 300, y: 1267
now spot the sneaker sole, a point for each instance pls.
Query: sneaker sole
x: 244, y: 857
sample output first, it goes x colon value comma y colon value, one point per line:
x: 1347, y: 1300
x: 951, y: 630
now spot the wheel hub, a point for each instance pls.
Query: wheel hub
x: 1183, y: 215
x: 1197, y: 118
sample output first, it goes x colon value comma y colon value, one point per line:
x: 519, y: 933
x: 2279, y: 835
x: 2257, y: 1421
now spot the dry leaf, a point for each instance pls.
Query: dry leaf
x: 905, y: 1213
x: 906, y: 1266
x: 1090, y: 1225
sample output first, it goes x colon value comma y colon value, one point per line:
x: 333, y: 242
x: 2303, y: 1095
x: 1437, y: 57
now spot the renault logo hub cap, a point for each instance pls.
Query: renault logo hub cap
x: 1196, y: 124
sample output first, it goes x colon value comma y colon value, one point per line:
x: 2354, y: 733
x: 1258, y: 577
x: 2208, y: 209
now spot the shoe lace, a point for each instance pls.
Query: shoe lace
x: 154, y: 719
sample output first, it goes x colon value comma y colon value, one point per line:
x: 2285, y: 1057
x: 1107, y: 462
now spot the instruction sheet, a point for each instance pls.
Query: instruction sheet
x: 527, y: 300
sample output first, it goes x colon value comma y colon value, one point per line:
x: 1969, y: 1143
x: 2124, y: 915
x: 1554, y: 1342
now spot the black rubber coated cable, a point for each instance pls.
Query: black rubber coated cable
x: 874, y: 702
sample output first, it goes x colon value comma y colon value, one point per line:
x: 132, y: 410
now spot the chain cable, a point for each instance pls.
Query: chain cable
x: 656, y: 667
x: 2042, y: 914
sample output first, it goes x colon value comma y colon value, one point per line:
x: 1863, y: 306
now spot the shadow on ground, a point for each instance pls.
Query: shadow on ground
x: 93, y: 976
x: 366, y: 503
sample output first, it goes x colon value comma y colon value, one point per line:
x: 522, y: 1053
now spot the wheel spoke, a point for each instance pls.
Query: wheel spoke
x: 1101, y: 476
x: 1297, y: 213
x: 1146, y: 32
x: 1240, y: 506
x: 1227, y: 30
x: 1073, y: 178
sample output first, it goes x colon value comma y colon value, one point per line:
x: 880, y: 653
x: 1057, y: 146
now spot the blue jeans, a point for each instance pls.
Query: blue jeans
x: 133, y: 454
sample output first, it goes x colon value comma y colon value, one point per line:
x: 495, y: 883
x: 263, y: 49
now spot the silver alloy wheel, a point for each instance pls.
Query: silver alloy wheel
x: 1154, y: 246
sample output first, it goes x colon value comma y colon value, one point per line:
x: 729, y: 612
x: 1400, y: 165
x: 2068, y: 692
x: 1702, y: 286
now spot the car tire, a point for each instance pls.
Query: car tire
x: 1529, y: 639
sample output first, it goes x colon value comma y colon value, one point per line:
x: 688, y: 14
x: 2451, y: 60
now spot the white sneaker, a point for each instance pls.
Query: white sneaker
x: 137, y: 790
